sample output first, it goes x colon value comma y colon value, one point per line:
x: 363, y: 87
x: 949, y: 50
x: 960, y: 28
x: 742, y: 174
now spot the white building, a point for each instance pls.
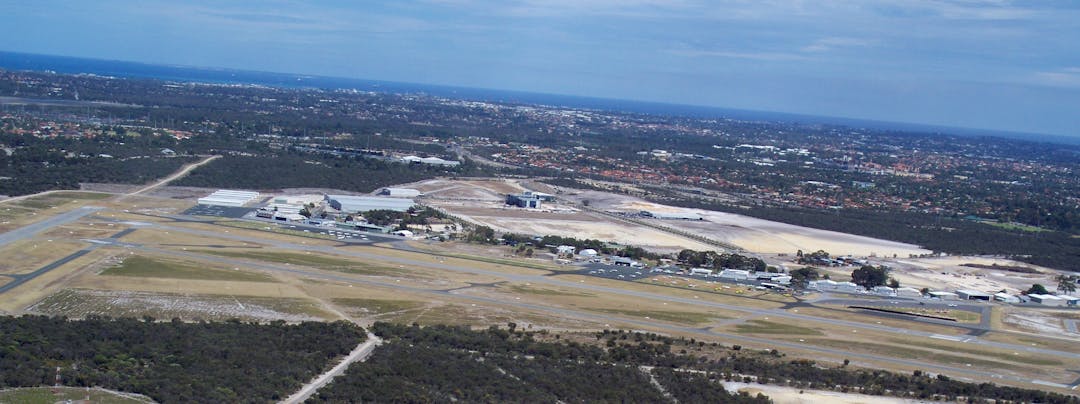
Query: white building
x: 944, y: 295
x: 700, y: 271
x: 353, y: 204
x: 430, y: 160
x: 1048, y: 300
x: 565, y: 250
x: 400, y: 192
x: 1006, y: 298
x: 908, y: 292
x: 884, y: 291
x: 735, y: 274
x: 588, y: 253
x: 226, y: 197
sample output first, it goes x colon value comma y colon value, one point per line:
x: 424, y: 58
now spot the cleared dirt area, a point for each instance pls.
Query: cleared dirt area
x: 792, y: 395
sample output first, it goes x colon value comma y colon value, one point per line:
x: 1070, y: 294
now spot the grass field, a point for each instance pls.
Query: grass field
x: 769, y: 327
x: 962, y: 316
x: 375, y: 306
x: 682, y: 317
x: 59, y: 198
x: 140, y: 266
x: 547, y: 292
x: 310, y: 260
x: 1015, y: 357
x: 51, y: 395
x: 897, y: 351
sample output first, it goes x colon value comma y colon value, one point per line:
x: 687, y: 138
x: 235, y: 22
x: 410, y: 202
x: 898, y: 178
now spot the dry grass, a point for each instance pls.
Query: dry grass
x: 80, y: 303
x: 141, y: 266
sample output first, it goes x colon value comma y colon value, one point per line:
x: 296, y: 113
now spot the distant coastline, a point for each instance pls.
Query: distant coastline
x: 74, y: 65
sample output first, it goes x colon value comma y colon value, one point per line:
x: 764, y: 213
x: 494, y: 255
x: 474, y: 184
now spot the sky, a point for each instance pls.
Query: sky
x: 991, y: 64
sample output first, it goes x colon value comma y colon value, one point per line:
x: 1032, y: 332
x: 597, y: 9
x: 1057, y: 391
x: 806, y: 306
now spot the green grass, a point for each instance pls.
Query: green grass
x: 310, y: 260
x: 10, y: 212
x: 769, y: 327
x: 962, y: 316
x: 377, y: 306
x: 682, y: 317
x: 60, y: 198
x: 139, y: 266
x: 1023, y: 358
x: 911, y: 353
x: 46, y: 395
x: 547, y: 292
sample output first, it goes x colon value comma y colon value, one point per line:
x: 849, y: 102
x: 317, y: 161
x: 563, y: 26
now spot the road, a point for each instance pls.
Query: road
x: 179, y: 173
x: 359, y: 354
x: 34, y: 228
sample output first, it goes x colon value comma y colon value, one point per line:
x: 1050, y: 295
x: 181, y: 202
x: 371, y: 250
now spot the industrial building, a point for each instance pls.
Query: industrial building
x: 1048, y: 300
x: 1006, y: 298
x: 671, y: 215
x: 529, y: 199
x: 944, y: 295
x: 354, y: 204
x: 966, y: 294
x: 735, y: 274
x: 226, y: 197
x: 435, y: 161
x: 908, y: 292
x: 399, y: 192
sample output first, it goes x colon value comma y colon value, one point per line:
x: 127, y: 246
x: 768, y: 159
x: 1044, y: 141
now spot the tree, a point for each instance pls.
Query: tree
x: 1037, y: 289
x: 893, y: 283
x: 1066, y: 283
x: 802, y: 276
x: 870, y: 276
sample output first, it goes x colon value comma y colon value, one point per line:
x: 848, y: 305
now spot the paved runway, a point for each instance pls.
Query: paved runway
x: 34, y: 228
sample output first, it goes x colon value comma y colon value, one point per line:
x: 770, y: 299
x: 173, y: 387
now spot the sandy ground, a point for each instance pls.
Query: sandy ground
x: 764, y: 236
x: 791, y: 395
x: 947, y: 273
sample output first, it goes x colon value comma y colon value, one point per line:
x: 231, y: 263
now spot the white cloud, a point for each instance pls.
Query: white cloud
x: 832, y: 43
x: 764, y: 56
x: 1068, y: 77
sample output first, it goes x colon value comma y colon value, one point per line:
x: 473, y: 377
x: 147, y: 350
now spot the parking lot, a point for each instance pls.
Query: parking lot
x: 343, y: 235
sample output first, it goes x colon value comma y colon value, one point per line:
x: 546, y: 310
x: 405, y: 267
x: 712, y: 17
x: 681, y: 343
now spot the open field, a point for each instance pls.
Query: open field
x: 772, y: 327
x: 29, y: 255
x: 141, y: 266
x: 51, y: 395
x: 80, y: 303
x: 755, y: 235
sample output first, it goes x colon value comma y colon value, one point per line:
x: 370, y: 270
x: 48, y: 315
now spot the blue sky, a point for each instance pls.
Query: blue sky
x: 993, y: 64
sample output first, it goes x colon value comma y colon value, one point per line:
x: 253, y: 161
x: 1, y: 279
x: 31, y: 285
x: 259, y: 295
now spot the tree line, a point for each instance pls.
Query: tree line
x: 174, y: 361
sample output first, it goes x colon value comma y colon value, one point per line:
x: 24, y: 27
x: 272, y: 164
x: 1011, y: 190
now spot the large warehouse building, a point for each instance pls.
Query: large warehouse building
x: 226, y: 197
x: 353, y: 204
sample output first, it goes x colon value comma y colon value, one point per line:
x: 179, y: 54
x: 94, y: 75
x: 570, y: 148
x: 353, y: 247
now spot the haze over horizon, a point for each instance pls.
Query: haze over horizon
x: 993, y: 64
